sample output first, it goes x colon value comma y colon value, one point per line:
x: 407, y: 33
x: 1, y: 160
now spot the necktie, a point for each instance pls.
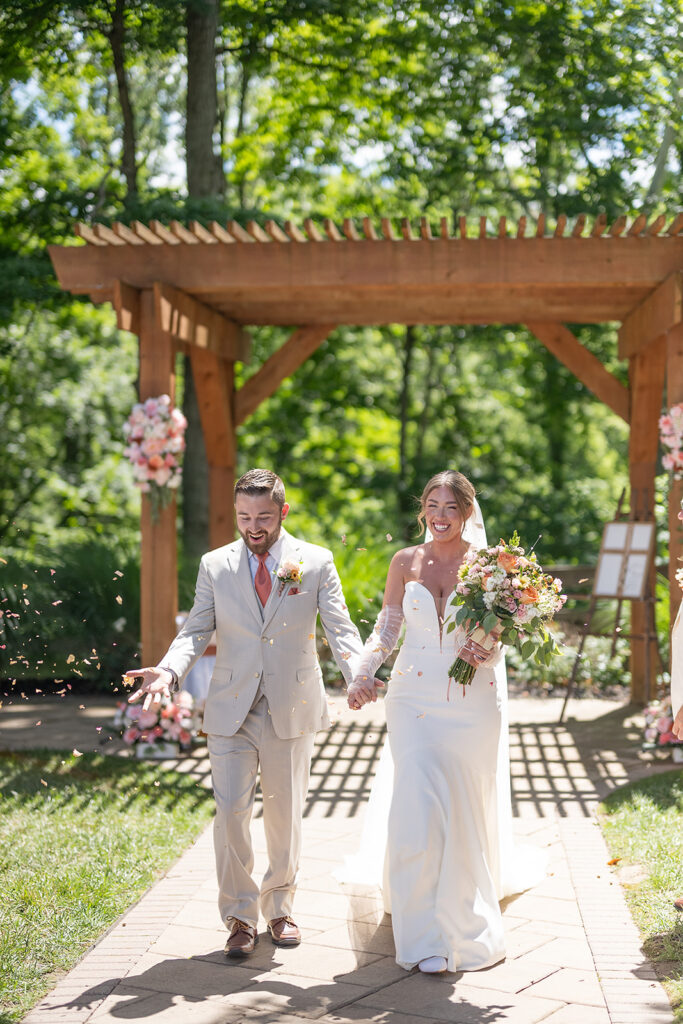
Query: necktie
x: 262, y: 580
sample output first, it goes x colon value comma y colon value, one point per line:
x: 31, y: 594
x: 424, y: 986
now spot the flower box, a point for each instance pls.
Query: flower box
x: 157, y: 751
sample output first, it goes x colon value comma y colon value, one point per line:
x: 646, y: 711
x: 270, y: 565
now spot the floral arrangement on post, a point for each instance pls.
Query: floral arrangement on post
x: 671, y: 436
x: 503, y: 594
x: 161, y: 731
x: 657, y: 735
x: 155, y: 435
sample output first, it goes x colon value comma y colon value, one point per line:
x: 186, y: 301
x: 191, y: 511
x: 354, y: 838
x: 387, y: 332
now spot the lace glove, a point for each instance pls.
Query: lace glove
x: 378, y: 647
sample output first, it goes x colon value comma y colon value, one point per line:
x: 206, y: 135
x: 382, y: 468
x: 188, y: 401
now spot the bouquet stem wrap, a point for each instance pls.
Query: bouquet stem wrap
x: 461, y: 671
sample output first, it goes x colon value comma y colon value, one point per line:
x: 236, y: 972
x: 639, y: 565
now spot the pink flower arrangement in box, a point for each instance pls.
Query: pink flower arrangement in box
x: 658, y: 721
x: 176, y: 720
x: 671, y: 436
x: 155, y: 435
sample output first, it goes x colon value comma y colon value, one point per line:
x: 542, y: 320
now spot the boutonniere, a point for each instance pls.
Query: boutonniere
x: 290, y: 572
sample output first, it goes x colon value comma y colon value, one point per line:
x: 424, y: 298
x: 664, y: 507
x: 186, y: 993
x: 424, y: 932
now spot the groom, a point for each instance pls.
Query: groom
x: 266, y: 700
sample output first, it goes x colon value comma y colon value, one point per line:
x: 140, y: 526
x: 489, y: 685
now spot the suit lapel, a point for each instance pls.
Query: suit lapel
x: 240, y: 565
x: 290, y: 552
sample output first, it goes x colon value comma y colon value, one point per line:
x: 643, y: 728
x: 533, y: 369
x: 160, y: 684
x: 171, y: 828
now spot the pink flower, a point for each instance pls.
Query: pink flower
x: 185, y: 736
x: 162, y: 476
x: 130, y: 735
x: 147, y: 719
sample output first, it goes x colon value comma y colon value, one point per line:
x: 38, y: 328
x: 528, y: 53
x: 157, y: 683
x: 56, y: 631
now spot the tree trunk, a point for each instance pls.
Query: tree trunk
x: 204, y: 167
x: 204, y: 179
x: 117, y: 41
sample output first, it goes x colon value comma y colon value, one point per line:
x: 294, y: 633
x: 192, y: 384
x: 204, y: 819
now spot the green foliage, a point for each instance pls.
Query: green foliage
x: 70, y: 614
x: 598, y: 672
x: 82, y: 839
x: 642, y: 825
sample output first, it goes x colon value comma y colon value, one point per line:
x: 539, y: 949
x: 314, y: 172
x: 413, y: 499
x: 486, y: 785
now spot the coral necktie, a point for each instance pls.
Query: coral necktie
x: 262, y: 580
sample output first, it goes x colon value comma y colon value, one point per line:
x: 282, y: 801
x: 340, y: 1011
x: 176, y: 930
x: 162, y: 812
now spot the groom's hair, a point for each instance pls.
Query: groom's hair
x: 261, y: 481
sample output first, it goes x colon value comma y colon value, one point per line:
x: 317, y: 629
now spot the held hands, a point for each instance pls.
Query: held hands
x: 155, y: 685
x: 677, y: 727
x: 362, y: 690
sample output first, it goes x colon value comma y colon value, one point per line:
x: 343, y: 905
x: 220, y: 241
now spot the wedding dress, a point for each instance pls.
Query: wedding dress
x: 438, y: 829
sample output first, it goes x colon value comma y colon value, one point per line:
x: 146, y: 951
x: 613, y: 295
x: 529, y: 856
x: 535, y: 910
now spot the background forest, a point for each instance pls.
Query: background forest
x: 212, y: 109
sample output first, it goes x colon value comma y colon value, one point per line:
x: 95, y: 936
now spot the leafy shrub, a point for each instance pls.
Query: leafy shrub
x: 70, y: 614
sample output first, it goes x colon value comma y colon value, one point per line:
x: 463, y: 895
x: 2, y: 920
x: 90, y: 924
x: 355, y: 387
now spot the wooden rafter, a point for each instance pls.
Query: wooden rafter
x: 197, y: 325
x: 559, y: 340
x: 295, y: 351
x: 657, y: 314
x: 127, y: 307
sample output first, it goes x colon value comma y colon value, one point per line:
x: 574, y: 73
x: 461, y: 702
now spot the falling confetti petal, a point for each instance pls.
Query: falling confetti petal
x: 77, y: 753
x: 119, y: 599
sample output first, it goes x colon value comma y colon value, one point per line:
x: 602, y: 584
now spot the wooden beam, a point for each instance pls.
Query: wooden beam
x: 349, y: 229
x: 444, y: 227
x: 425, y: 229
x: 332, y: 231
x: 221, y: 505
x: 674, y: 384
x: 202, y: 234
x: 238, y: 232
x: 462, y: 227
x: 124, y: 232
x: 257, y: 232
x: 182, y: 233
x: 107, y: 235
x: 293, y: 232
x: 312, y: 231
x: 638, y: 225
x: 295, y: 351
x: 676, y: 225
x: 127, y: 306
x: 560, y: 226
x: 158, y: 557
x: 190, y: 321
x: 163, y: 234
x: 646, y: 371
x: 220, y: 234
x: 579, y: 225
x: 502, y: 227
x: 656, y: 315
x: 600, y: 225
x: 618, y: 227
x: 521, y: 227
x: 387, y: 229
x: 540, y: 226
x: 87, y: 233
x: 369, y: 229
x: 214, y: 382
x: 559, y: 340
x: 144, y: 233
x: 276, y: 232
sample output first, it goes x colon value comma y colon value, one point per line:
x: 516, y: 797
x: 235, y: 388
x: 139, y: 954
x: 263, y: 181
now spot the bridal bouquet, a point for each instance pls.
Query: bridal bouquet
x: 503, y: 594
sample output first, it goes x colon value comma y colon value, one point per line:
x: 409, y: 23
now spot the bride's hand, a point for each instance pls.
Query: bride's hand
x: 474, y: 654
x: 362, y: 691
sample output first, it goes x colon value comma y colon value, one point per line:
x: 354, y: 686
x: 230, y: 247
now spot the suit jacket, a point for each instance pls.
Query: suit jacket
x: 677, y: 663
x: 277, y: 648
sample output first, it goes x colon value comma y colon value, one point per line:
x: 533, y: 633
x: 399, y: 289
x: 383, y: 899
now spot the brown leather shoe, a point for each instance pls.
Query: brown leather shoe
x: 284, y: 932
x: 241, y: 940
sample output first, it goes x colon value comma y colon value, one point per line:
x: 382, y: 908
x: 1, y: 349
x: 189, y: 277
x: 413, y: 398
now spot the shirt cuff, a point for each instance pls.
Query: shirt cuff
x: 174, y: 685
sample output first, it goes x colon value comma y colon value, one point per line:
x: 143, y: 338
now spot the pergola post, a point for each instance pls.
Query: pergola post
x: 674, y: 371
x: 646, y: 372
x: 158, y: 556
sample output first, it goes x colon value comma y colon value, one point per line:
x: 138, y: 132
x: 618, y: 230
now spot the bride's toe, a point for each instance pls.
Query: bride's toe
x: 433, y: 965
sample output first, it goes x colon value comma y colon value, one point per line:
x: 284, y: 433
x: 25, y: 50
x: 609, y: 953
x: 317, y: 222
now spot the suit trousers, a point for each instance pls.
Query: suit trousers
x: 285, y: 768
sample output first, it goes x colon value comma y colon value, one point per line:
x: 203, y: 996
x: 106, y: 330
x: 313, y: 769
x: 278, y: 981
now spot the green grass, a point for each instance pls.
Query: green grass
x: 81, y: 838
x: 643, y: 825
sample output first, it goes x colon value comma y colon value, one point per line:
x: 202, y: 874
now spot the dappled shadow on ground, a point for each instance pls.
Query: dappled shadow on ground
x: 228, y: 990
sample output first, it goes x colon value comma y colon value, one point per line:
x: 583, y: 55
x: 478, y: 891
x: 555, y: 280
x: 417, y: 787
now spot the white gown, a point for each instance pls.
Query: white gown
x: 446, y: 855
x: 443, y: 872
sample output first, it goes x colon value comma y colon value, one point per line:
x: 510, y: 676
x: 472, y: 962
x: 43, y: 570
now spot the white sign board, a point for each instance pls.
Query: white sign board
x: 625, y: 559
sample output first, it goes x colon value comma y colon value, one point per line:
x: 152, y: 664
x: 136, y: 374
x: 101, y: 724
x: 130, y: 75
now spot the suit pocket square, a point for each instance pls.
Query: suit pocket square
x: 293, y: 591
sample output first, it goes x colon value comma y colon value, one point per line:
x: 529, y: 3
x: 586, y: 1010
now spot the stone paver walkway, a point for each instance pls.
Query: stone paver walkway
x: 574, y: 955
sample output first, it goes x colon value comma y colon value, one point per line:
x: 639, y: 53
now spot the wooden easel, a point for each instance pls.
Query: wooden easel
x: 638, y: 514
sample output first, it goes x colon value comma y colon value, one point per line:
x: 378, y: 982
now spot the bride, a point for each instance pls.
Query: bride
x: 449, y: 849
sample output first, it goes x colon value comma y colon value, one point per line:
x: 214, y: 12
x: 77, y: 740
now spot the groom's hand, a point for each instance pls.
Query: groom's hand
x: 155, y: 684
x: 362, y: 691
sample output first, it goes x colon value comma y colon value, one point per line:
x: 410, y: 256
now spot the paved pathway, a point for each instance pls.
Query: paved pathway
x: 574, y: 955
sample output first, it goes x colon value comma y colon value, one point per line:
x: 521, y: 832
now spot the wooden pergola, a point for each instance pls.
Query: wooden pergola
x: 193, y: 288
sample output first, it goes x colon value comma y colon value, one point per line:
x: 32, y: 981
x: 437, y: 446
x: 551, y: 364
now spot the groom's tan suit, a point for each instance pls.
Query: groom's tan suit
x: 266, y: 701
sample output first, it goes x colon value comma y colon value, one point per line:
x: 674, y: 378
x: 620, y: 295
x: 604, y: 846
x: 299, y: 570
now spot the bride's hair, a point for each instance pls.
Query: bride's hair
x: 463, y: 492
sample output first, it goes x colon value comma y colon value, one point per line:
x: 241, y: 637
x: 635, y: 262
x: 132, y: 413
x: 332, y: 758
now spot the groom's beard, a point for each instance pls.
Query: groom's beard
x: 264, y: 544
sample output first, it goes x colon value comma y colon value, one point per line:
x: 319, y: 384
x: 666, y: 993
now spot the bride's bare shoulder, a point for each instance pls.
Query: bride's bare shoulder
x: 406, y: 558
